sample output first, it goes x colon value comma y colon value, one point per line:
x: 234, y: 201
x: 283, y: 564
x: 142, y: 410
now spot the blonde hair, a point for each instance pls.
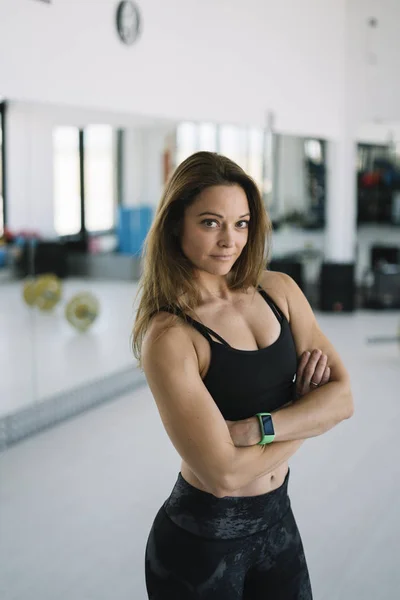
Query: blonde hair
x: 167, y: 275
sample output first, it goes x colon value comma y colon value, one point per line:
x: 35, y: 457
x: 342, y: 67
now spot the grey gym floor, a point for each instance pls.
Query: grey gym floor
x: 77, y: 501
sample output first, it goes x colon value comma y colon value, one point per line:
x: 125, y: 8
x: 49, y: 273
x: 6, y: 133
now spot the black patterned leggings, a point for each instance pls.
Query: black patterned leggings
x: 231, y: 548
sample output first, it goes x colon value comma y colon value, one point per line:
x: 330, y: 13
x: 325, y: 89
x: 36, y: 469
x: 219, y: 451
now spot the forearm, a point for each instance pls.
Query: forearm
x: 250, y: 463
x: 314, y: 413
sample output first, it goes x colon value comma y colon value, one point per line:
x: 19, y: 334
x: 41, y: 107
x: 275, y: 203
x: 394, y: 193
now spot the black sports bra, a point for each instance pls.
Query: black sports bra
x: 245, y: 382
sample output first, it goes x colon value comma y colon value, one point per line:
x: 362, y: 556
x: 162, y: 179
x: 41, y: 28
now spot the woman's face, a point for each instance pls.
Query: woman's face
x: 214, y: 226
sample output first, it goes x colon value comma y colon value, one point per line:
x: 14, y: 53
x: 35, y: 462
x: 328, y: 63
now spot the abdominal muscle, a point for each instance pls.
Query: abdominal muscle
x: 262, y: 485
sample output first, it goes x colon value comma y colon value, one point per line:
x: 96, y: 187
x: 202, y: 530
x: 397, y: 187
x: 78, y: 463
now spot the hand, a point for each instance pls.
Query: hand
x: 313, y: 367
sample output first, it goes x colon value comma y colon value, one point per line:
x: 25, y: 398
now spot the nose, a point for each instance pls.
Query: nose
x: 227, y: 238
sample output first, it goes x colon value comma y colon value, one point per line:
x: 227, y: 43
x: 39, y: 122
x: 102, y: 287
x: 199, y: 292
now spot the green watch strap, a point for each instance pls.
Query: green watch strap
x: 265, y: 438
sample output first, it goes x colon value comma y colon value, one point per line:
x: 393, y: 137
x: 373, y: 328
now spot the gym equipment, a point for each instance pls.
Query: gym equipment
x: 133, y: 226
x: 337, y: 287
x: 291, y: 266
x: 44, y: 292
x: 37, y: 257
x: 384, y: 255
x: 28, y: 292
x: 381, y: 287
x: 82, y: 310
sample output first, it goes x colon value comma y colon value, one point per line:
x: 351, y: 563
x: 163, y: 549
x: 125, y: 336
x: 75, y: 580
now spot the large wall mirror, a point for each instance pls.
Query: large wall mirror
x: 81, y: 189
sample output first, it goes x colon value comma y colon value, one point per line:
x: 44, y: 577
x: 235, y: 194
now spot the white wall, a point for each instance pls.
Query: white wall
x: 373, y: 65
x: 379, y: 133
x: 309, y: 61
x: 224, y: 61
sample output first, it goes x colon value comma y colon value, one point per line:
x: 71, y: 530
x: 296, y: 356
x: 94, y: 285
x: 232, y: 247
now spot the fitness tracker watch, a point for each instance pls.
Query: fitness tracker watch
x: 267, y: 428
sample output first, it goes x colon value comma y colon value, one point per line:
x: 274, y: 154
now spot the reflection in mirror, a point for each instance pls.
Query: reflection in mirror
x: 300, y: 182
x: 295, y: 191
x: 16, y: 340
x: 82, y: 187
x: 2, y: 156
x: 66, y: 173
x: 290, y: 173
x: 378, y: 214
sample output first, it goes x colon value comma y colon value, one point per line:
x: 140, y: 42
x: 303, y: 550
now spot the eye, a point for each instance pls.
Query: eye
x: 208, y: 221
x: 246, y: 223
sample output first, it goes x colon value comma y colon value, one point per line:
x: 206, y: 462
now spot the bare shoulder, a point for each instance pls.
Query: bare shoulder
x: 305, y: 329
x: 167, y: 338
x: 276, y: 285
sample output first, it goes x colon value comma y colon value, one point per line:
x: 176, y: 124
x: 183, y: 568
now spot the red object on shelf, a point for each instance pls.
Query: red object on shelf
x: 371, y: 179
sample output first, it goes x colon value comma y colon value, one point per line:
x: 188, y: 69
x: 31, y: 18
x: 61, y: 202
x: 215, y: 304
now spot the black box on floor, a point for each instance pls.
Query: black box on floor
x: 292, y: 268
x: 384, y: 292
x: 42, y: 257
x: 384, y: 254
x: 337, y: 287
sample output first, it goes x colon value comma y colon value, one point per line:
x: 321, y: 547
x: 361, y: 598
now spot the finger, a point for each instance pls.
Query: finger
x: 302, y: 364
x: 311, y: 366
x: 300, y: 381
x: 326, y: 376
x: 319, y: 370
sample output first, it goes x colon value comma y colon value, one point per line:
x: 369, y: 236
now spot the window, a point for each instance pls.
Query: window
x: 313, y: 150
x: 255, y: 155
x: 90, y: 191
x: 192, y: 137
x: 186, y: 141
x: 244, y: 145
x: 100, y: 177
x: 67, y: 196
x: 207, y: 137
x: 233, y: 144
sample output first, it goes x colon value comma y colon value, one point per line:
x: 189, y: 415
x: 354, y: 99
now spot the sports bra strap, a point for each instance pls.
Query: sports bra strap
x: 203, y: 329
x: 207, y: 332
x: 271, y: 303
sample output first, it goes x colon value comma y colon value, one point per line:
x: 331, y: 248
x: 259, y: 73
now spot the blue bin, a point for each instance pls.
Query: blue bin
x: 133, y: 226
x: 3, y: 257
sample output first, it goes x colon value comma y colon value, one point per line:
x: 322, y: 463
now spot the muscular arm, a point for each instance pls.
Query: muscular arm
x: 313, y: 414
x: 248, y: 464
x: 313, y: 366
x: 310, y: 416
x: 321, y: 409
x: 305, y: 418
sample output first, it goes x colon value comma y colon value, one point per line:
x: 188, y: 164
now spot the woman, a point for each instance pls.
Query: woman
x: 219, y: 339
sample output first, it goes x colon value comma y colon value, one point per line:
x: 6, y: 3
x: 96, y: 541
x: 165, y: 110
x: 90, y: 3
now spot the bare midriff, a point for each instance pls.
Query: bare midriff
x: 263, y: 485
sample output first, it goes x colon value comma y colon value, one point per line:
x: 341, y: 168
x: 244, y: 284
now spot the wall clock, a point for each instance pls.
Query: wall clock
x: 128, y: 22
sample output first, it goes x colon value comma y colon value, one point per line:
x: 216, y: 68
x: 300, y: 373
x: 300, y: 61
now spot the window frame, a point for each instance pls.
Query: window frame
x: 84, y: 234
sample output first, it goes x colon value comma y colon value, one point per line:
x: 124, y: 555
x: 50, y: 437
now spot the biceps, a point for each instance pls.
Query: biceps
x: 335, y: 363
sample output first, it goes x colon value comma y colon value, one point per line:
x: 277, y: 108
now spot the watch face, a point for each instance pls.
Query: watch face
x: 268, y: 426
x: 128, y: 22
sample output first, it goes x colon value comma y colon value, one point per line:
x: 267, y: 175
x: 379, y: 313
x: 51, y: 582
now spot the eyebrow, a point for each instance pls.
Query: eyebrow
x: 220, y: 216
